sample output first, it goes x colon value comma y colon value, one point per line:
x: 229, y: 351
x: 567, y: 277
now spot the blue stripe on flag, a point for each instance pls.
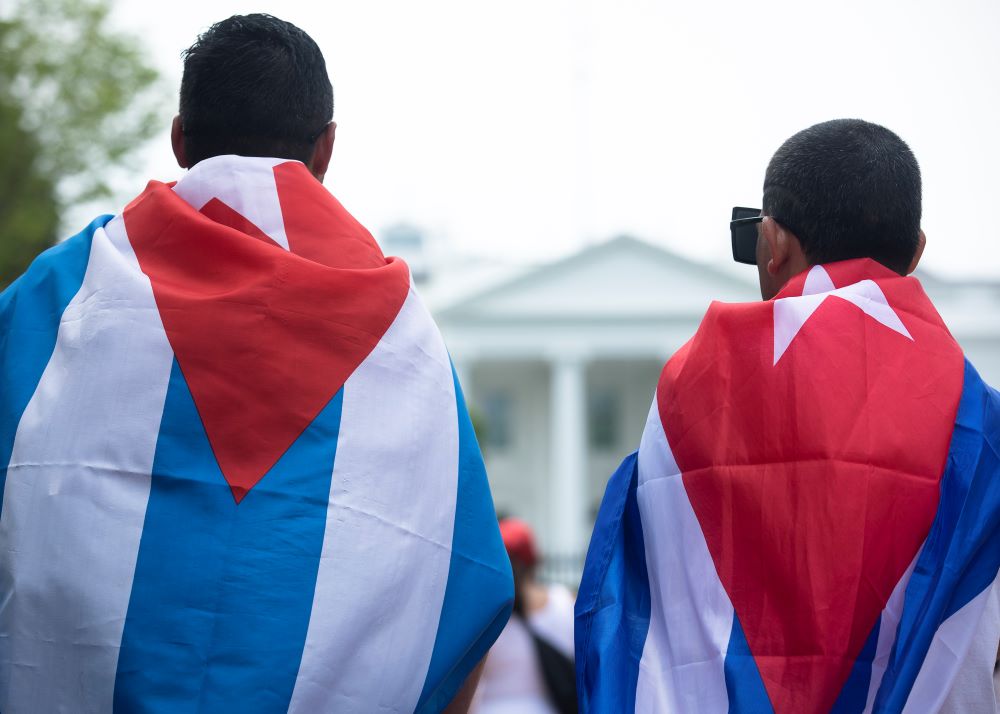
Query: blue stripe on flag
x: 612, y: 608
x: 30, y: 311
x: 223, y: 593
x: 744, y: 686
x: 854, y: 695
x: 479, y: 577
x: 959, y: 558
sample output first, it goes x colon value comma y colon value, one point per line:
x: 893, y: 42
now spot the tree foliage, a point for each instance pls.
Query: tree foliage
x: 76, y: 99
x: 29, y: 216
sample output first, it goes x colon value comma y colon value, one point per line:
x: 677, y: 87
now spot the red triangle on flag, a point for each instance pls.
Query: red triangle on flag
x: 816, y: 479
x: 263, y: 336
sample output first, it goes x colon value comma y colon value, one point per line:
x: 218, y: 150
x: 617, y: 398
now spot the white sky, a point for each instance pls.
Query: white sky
x: 527, y: 128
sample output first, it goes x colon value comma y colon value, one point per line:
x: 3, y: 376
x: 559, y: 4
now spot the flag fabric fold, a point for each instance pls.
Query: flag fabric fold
x: 812, y: 520
x: 238, y: 472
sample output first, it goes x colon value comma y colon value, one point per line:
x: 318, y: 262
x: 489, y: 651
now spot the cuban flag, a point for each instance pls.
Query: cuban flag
x: 237, y: 470
x: 812, y: 520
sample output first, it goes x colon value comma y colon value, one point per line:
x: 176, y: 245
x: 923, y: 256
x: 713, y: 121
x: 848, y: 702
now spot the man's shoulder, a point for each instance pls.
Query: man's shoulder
x: 58, y: 268
x: 725, y: 328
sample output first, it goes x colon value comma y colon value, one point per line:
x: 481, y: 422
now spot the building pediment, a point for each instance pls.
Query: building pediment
x: 624, y: 278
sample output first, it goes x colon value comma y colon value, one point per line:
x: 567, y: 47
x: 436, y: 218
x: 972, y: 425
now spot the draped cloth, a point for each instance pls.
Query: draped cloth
x: 812, y: 520
x: 238, y: 472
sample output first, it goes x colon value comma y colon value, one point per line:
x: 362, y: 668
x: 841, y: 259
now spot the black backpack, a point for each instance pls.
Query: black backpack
x: 558, y: 672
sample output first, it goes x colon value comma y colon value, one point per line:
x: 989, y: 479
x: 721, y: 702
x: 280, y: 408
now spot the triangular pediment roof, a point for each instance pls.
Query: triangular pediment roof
x: 621, y: 278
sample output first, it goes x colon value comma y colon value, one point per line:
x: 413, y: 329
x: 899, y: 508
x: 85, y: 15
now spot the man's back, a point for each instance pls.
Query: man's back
x: 239, y: 471
x: 803, y: 505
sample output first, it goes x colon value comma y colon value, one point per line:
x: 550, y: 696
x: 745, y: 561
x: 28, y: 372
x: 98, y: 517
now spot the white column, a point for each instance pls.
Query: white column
x: 569, y: 455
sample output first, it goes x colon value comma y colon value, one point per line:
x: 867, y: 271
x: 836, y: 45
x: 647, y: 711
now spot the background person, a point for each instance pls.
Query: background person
x: 529, y: 670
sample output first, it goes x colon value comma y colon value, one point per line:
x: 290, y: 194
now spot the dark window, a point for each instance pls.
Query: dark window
x: 498, y: 417
x: 603, y: 418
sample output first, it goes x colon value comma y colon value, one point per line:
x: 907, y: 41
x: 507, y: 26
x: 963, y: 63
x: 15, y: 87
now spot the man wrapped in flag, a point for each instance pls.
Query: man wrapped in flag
x: 812, y: 520
x: 238, y: 473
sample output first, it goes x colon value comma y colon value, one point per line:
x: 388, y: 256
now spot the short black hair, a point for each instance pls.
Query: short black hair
x: 847, y: 188
x: 254, y: 85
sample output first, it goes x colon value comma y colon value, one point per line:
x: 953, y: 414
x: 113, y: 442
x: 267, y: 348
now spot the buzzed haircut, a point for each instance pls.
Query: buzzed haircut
x: 254, y: 85
x: 847, y: 188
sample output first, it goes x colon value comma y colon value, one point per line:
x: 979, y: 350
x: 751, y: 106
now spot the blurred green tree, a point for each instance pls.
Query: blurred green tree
x: 77, y: 97
x: 29, y: 214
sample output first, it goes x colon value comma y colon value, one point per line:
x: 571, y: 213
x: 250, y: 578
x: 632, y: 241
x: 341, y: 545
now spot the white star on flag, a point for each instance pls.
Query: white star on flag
x: 252, y: 194
x: 790, y: 314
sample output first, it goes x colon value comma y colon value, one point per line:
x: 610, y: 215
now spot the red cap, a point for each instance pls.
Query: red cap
x: 519, y: 540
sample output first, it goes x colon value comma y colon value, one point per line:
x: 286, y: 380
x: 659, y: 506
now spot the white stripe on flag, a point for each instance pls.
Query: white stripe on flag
x: 888, y: 627
x: 974, y: 686
x: 387, y: 548
x: 77, y: 488
x: 691, y: 618
x: 946, y: 655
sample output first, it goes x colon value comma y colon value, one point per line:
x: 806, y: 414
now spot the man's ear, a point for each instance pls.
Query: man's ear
x: 177, y: 142
x: 921, y: 244
x: 776, y: 237
x: 322, y: 150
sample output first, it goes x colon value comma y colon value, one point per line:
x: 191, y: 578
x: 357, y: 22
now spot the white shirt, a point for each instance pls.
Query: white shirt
x: 512, y: 680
